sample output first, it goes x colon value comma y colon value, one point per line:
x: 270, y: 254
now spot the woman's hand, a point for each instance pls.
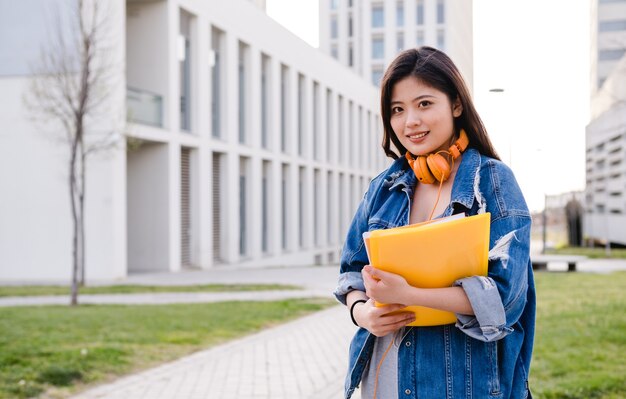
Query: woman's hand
x: 385, y: 287
x: 378, y: 320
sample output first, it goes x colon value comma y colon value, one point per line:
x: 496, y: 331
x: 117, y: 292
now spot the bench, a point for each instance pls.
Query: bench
x: 540, y: 262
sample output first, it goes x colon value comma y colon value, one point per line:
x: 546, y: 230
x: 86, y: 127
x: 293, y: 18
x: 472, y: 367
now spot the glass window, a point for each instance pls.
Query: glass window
x: 440, y: 12
x: 216, y: 79
x: 420, y: 12
x: 350, y: 55
x: 350, y: 28
x: 611, y: 55
x: 378, y: 48
x: 243, y: 76
x: 400, y: 14
x: 334, y: 31
x: 441, y: 40
x: 420, y: 39
x: 265, y: 100
x: 334, y: 52
x: 333, y: 4
x: 377, y: 74
x: 185, y: 84
x: 400, y: 42
x: 612, y: 26
x: 301, y: 112
x: 378, y: 16
x: 284, y: 93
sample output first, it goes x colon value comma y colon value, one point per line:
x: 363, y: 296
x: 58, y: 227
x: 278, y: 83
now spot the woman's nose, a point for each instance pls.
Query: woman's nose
x: 412, y: 119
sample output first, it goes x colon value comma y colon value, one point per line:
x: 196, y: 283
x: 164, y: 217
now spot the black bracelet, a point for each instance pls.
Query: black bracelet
x: 352, y: 310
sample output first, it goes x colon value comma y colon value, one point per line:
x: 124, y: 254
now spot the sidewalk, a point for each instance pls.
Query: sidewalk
x: 306, y: 358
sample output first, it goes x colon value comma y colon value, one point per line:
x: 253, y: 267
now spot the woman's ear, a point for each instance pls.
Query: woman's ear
x: 457, y: 108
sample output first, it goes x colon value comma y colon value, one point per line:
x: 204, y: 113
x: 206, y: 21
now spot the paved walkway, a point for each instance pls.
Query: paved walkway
x: 306, y: 358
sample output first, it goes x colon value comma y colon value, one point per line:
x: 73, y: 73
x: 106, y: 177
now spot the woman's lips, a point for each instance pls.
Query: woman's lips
x: 417, y: 137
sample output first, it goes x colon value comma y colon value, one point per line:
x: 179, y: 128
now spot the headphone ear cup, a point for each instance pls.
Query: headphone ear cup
x: 422, y: 172
x: 439, y: 167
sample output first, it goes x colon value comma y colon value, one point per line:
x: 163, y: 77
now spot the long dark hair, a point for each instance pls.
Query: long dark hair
x: 434, y: 68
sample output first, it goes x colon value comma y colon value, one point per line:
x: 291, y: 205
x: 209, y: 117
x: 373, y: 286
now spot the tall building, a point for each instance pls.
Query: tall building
x: 366, y: 35
x: 605, y: 190
x: 608, y: 41
x: 242, y: 145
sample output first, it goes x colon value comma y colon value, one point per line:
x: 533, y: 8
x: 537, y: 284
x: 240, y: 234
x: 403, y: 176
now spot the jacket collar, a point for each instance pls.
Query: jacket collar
x: 465, y: 181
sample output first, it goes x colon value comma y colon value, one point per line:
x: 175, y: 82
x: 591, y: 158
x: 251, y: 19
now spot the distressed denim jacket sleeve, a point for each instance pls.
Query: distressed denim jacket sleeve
x: 499, y: 299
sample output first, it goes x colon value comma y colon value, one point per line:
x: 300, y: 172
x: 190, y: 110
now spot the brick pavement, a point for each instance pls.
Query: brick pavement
x: 305, y: 358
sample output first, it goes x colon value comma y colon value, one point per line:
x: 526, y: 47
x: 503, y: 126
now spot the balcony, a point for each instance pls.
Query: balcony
x: 144, y: 107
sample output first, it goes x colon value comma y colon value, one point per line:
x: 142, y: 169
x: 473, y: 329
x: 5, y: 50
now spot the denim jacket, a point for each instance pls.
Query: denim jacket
x: 482, y: 356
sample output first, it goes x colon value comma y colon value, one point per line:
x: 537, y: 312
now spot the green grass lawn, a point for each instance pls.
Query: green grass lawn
x: 579, y: 346
x: 594, y: 253
x: 580, y: 342
x: 59, y: 348
x: 35, y: 290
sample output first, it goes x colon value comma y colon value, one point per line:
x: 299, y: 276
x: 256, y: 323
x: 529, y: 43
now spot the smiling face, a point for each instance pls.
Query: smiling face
x: 422, y: 117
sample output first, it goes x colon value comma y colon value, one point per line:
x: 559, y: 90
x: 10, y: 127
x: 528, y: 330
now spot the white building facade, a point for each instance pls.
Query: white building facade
x: 367, y: 35
x: 605, y: 191
x: 244, y: 147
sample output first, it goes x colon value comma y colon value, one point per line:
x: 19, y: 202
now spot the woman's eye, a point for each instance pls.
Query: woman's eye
x: 425, y: 103
x: 395, y: 110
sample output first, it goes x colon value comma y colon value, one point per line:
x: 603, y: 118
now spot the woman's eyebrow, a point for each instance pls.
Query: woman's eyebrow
x: 423, y: 96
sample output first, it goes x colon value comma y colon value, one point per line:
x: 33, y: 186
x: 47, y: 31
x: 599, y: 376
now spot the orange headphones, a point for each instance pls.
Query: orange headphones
x: 435, y: 167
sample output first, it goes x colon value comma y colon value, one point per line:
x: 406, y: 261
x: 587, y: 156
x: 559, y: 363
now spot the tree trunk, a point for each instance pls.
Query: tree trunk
x: 82, y: 247
x: 75, y: 219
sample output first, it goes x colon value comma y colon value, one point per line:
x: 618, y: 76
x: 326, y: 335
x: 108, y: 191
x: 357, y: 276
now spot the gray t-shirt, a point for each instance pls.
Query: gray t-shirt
x: 388, y: 375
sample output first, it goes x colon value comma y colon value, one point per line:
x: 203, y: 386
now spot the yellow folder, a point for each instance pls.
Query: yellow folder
x: 432, y: 254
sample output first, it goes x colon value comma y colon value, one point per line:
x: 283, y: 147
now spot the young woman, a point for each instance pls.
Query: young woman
x: 427, y: 109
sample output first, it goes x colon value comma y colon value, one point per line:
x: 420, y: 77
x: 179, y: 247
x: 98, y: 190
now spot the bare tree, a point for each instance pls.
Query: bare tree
x: 70, y: 89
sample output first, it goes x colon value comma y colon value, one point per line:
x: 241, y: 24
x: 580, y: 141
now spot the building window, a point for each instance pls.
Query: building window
x: 377, y: 74
x: 334, y: 52
x: 333, y: 4
x: 612, y: 26
x: 285, y: 204
x: 441, y: 12
x: 378, y: 48
x: 316, y: 115
x: 185, y: 63
x: 419, y: 41
x: 340, y: 137
x: 400, y: 42
x: 441, y: 40
x: 378, y: 16
x: 216, y: 81
x: 301, y: 112
x: 400, y: 14
x: 284, y: 100
x: 265, y: 187
x: 301, y: 210
x: 611, y: 55
x: 243, y: 203
x: 243, y: 90
x: 350, y: 27
x: 420, y: 12
x: 329, y: 122
x: 350, y: 55
x: 334, y: 30
x: 265, y: 100
x: 317, y: 191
